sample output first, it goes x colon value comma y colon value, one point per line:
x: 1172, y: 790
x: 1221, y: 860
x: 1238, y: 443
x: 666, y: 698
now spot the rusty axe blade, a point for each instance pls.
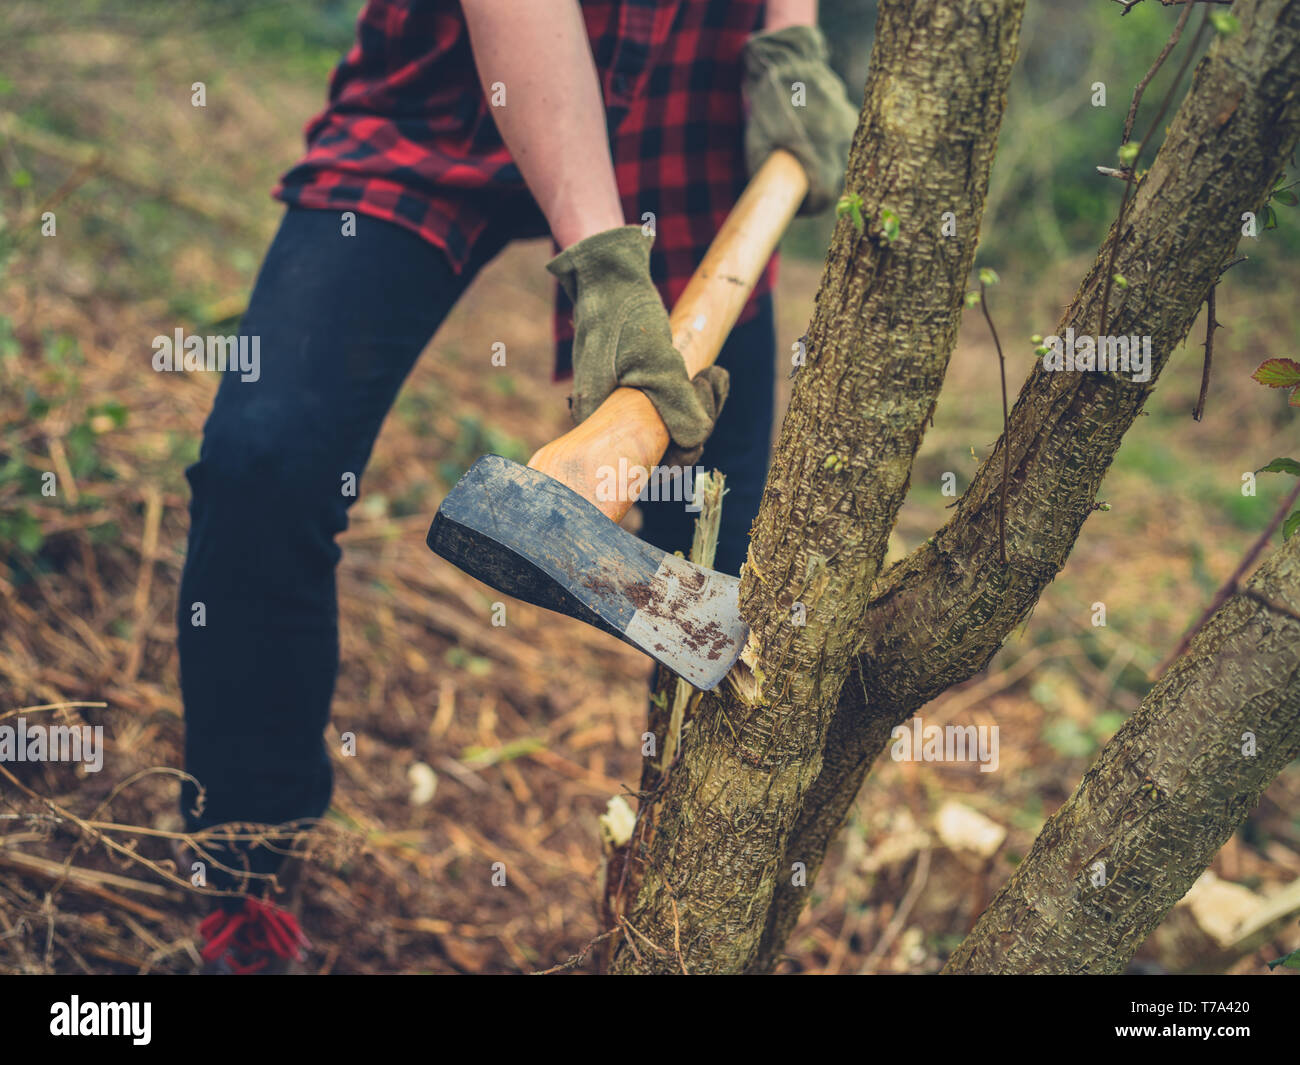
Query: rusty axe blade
x: 528, y: 535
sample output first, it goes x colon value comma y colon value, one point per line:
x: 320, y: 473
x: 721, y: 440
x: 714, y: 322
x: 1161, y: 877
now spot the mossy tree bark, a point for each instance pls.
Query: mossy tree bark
x: 877, y: 350
x: 1166, y: 793
x: 939, y: 616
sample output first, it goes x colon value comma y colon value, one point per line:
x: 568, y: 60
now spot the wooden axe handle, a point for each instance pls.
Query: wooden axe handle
x: 627, y: 426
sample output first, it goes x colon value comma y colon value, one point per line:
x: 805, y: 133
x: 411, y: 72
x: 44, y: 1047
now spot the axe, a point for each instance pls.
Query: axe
x: 545, y: 534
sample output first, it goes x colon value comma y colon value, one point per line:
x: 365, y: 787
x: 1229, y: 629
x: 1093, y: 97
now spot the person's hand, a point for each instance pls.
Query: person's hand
x: 818, y: 130
x: 622, y: 337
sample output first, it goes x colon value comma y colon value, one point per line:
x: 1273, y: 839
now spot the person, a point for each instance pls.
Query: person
x: 626, y: 129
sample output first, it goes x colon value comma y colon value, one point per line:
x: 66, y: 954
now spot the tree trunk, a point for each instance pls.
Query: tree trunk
x: 1165, y: 794
x: 940, y: 615
x: 877, y: 350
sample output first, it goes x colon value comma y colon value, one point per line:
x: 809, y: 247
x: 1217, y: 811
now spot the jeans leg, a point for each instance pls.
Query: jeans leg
x: 339, y: 323
x: 740, y: 447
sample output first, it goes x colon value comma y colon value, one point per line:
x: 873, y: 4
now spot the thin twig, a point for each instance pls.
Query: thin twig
x: 130, y: 167
x: 1272, y: 604
x: 630, y: 941
x: 576, y: 959
x: 1146, y: 80
x: 1211, y: 324
x: 677, y: 937
x: 74, y: 181
x: 1006, y: 431
x: 52, y: 706
x: 644, y: 938
x: 1129, y: 5
x: 1229, y: 587
x: 1128, y: 185
x: 98, y: 832
x: 919, y: 877
x: 1120, y: 172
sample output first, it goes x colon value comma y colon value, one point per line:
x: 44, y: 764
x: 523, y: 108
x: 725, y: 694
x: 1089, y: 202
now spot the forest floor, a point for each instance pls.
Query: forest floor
x: 528, y: 729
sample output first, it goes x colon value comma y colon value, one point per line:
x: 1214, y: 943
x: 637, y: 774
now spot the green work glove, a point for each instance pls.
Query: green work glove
x: 622, y: 337
x: 814, y: 124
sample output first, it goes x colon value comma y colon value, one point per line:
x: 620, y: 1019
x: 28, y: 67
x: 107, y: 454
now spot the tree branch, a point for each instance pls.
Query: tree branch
x: 941, y: 614
x: 1232, y: 585
x: 1129, y: 5
x: 1118, y: 229
x: 1006, y: 457
x: 1164, y: 795
x: 1211, y: 324
x: 884, y: 327
x: 1170, y: 45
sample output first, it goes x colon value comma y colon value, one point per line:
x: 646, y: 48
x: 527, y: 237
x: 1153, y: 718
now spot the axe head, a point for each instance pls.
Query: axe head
x: 533, y: 538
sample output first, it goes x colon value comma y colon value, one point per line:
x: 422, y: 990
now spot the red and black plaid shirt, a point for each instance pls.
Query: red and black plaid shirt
x: 408, y: 134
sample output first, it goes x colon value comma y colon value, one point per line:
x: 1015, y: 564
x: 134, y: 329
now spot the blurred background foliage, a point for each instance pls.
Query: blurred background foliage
x: 1046, y: 201
x: 1046, y: 205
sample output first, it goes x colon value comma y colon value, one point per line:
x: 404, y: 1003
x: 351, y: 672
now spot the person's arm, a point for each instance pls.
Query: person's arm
x: 815, y: 123
x: 783, y: 13
x: 554, y: 119
x: 553, y: 124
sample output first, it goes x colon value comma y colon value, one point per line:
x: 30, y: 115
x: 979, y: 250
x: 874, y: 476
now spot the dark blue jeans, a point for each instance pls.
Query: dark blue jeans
x: 341, y: 321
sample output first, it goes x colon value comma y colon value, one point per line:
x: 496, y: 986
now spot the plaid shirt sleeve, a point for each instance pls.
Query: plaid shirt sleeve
x: 408, y: 134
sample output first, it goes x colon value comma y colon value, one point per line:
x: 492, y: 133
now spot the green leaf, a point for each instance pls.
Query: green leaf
x: 972, y: 299
x: 114, y: 410
x: 1281, y: 466
x: 988, y: 276
x: 1278, y: 373
x: 1224, y: 23
x: 23, y: 530
x: 482, y: 757
x: 1286, y: 197
x: 30, y: 539
x: 1289, y: 961
x: 1289, y: 526
x: 890, y: 224
x: 1107, y: 723
x: 1120, y: 280
x: 1269, y: 216
x: 1128, y: 152
x: 851, y: 204
x: 1068, y: 739
x: 8, y: 342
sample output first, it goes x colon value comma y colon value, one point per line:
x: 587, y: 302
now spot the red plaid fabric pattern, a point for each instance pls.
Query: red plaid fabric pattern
x: 408, y: 134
